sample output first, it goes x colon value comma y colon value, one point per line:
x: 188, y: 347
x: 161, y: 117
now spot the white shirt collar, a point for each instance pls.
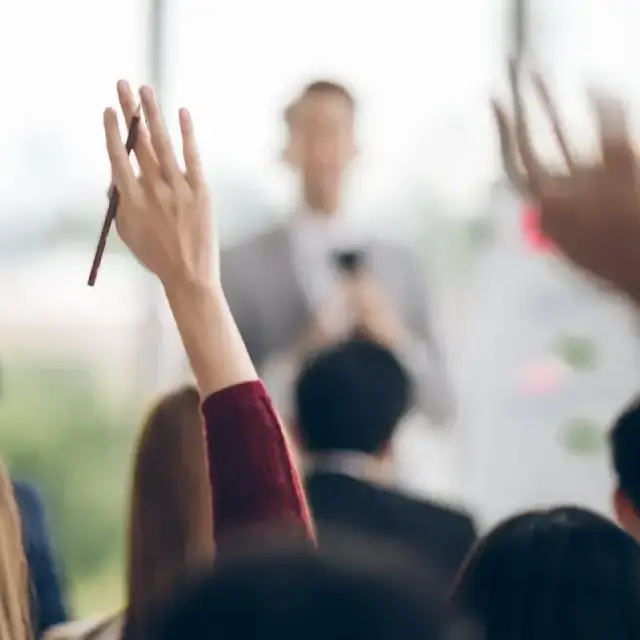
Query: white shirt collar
x: 353, y: 464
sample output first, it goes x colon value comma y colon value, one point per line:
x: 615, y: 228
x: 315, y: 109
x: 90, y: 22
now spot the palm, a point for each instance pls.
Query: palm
x: 163, y: 215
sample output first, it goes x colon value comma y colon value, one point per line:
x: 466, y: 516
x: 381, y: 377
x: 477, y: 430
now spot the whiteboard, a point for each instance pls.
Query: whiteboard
x: 549, y: 359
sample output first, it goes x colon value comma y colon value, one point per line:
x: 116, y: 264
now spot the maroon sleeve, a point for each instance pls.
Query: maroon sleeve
x: 253, y: 478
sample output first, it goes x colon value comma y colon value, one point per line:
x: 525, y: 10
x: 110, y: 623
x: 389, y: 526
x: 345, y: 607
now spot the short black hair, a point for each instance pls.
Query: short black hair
x: 351, y: 397
x: 317, y: 88
x: 553, y: 574
x: 356, y: 588
x: 625, y: 452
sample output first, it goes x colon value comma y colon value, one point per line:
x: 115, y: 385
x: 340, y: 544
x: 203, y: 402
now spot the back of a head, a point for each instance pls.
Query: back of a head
x: 171, y: 528
x: 351, y: 397
x: 290, y: 593
x: 625, y: 453
x: 553, y: 575
x: 14, y: 576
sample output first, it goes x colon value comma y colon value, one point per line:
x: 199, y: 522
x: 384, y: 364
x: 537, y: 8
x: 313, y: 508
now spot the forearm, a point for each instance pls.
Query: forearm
x: 253, y: 477
x: 211, y: 339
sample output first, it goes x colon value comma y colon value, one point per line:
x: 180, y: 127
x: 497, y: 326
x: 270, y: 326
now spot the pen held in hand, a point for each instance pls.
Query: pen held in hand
x: 112, y: 208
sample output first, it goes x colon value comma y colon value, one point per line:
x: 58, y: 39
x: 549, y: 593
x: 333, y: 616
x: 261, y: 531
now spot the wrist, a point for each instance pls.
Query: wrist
x: 209, y: 334
x: 182, y: 292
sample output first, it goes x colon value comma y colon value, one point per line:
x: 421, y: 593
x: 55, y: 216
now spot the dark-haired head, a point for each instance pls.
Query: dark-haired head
x: 321, y: 142
x: 625, y: 453
x: 553, y: 575
x: 349, y: 591
x: 351, y: 397
x: 171, y: 528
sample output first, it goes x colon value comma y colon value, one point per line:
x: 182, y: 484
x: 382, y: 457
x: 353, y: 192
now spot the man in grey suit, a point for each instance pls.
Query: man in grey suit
x: 313, y: 281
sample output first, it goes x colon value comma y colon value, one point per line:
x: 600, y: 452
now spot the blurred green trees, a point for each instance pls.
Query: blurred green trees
x: 58, y: 431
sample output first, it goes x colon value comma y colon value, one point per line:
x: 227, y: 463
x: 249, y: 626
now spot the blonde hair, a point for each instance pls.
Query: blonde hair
x: 15, y: 623
x: 171, y: 522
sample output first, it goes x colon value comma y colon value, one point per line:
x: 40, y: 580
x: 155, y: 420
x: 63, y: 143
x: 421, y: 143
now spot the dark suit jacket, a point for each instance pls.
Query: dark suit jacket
x: 440, y: 535
x: 48, y: 603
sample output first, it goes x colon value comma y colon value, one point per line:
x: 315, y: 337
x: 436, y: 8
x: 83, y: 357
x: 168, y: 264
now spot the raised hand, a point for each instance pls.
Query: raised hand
x: 591, y: 211
x: 164, y: 214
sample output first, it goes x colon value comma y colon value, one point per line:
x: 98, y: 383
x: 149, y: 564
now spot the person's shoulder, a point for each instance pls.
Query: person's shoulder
x: 436, y: 511
x: 332, y: 479
x: 336, y: 492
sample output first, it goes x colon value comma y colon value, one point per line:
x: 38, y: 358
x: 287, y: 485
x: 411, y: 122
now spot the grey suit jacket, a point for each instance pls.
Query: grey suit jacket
x: 271, y: 310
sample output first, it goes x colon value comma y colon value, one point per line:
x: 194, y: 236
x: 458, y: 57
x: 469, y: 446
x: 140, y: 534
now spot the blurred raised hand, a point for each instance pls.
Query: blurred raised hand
x: 164, y: 213
x: 591, y: 209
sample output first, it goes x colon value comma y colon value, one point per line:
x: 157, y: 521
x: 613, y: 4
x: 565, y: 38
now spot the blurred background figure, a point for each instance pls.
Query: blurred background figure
x: 170, y: 529
x: 317, y: 279
x: 349, y: 402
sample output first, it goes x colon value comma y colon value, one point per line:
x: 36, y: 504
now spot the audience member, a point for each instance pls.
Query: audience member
x: 47, y: 606
x: 170, y: 527
x: 553, y: 575
x: 625, y: 448
x: 350, y: 590
x: 349, y: 401
x: 316, y: 279
x: 15, y: 621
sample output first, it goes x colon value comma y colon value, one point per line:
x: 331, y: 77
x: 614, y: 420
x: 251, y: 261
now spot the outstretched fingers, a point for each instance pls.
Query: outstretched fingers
x: 508, y: 150
x: 122, y: 172
x: 160, y: 137
x: 192, y: 162
x: 554, y: 118
x: 613, y: 128
x: 142, y: 148
x: 533, y: 167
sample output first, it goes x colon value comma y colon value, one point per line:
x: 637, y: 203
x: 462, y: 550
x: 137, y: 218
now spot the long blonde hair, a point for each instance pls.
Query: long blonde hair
x: 15, y: 623
x: 171, y: 523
